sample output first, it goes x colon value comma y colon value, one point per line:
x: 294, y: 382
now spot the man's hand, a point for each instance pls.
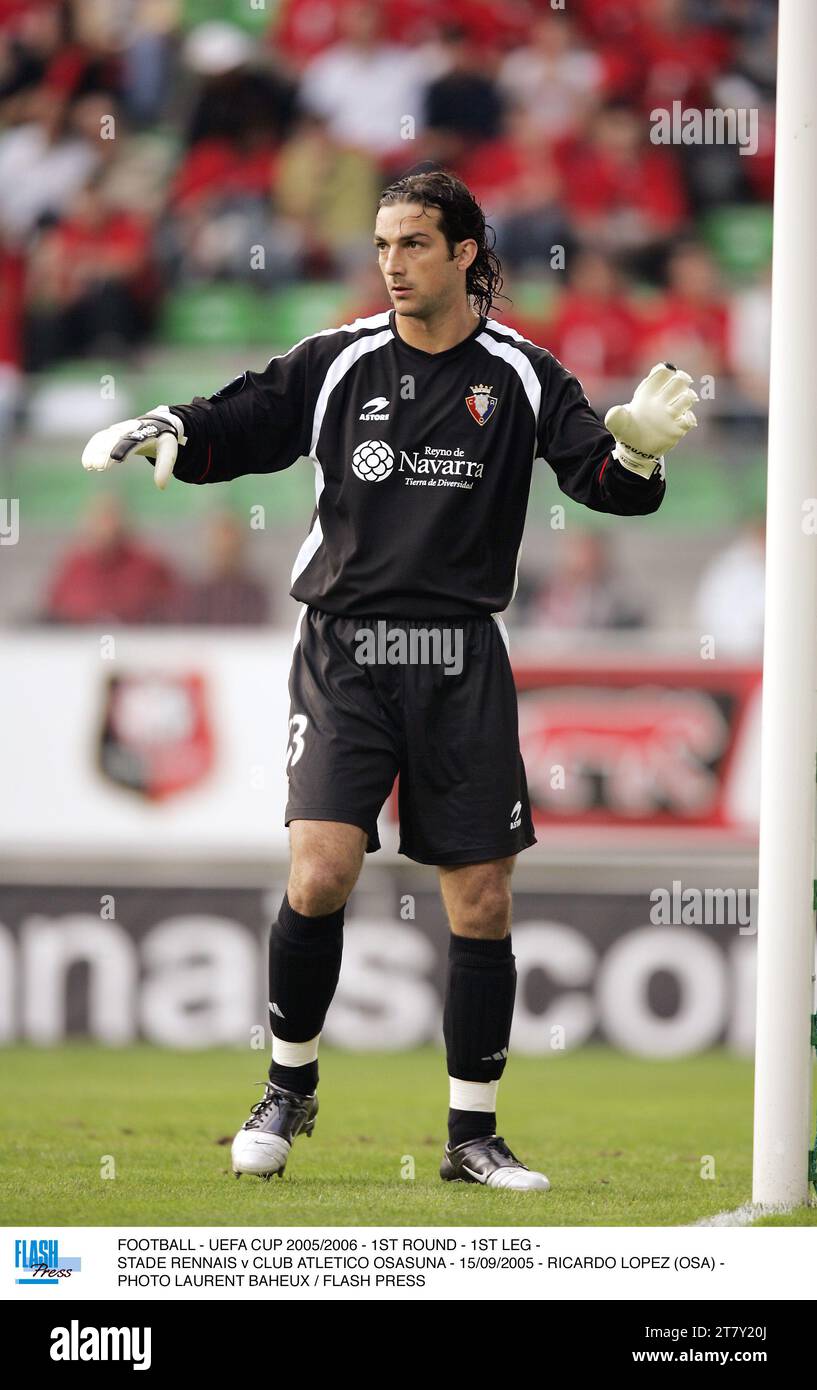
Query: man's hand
x: 657, y: 417
x: 156, y: 435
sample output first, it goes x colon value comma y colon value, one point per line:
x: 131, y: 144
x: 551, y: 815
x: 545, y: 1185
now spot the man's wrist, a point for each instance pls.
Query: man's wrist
x: 163, y: 412
x: 644, y: 465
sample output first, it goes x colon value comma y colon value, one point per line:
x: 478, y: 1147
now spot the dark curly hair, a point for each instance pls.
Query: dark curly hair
x: 461, y: 217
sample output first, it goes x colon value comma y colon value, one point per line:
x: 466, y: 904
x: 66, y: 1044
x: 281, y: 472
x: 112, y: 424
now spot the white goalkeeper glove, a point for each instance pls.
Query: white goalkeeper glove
x: 156, y: 435
x: 657, y: 417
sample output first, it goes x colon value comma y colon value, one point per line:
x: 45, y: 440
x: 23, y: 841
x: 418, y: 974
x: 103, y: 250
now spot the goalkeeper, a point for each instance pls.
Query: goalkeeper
x: 424, y: 424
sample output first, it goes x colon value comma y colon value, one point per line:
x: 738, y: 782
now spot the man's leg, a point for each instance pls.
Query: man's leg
x: 480, y: 990
x: 477, y: 1024
x: 304, y: 964
x: 306, y: 943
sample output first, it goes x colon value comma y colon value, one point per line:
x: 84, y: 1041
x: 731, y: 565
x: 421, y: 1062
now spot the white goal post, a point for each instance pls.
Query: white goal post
x: 785, y: 997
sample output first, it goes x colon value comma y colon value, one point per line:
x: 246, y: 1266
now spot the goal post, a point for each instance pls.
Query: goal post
x: 788, y: 793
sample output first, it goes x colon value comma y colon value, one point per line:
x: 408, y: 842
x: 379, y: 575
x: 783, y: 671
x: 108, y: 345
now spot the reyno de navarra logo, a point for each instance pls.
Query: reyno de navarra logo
x: 373, y: 462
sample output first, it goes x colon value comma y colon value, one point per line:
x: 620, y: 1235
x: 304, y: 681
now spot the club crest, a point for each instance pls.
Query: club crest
x: 481, y: 404
x: 156, y: 737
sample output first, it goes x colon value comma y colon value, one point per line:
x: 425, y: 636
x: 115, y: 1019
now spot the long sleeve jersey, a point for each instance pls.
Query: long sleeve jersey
x: 423, y: 461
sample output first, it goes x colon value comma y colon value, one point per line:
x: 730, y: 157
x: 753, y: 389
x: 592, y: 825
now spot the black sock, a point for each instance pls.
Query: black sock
x: 304, y: 965
x: 479, y: 1000
x: 470, y: 1124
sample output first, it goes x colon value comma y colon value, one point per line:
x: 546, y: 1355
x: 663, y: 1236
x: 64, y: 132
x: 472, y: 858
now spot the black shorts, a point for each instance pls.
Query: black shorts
x: 431, y: 700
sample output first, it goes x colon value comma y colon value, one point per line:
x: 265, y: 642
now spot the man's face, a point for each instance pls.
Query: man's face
x: 420, y: 273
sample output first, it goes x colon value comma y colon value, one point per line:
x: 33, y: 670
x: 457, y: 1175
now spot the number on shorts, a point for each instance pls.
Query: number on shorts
x: 297, y: 728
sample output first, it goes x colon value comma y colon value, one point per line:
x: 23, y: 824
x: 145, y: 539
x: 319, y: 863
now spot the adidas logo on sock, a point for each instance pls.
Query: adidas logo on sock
x: 496, y: 1056
x: 274, y: 1009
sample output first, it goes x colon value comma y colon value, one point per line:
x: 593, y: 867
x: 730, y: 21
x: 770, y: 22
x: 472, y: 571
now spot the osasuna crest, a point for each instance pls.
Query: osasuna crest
x: 481, y: 404
x: 156, y: 737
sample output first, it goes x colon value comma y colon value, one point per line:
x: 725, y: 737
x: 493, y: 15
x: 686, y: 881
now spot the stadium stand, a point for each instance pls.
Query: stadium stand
x: 187, y: 187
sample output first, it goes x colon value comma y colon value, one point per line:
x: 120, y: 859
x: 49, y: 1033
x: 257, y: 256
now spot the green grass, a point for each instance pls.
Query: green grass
x: 621, y: 1139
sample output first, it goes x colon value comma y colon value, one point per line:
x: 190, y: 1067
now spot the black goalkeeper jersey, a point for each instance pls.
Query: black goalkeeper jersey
x: 423, y: 461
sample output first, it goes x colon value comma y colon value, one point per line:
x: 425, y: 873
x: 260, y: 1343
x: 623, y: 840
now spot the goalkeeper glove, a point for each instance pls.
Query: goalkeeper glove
x: 156, y: 436
x: 657, y: 417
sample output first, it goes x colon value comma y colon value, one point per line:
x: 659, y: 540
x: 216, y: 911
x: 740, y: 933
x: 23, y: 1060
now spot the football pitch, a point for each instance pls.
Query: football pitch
x: 625, y: 1142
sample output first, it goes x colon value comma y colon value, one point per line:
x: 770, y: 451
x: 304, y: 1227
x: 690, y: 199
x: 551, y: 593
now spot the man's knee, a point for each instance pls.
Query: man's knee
x: 316, y: 887
x: 326, y: 861
x: 478, y: 899
x: 489, y: 915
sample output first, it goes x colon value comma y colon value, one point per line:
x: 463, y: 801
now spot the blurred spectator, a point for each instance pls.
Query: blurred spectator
x: 584, y: 593
x: 238, y: 121
x: 688, y: 323
x: 110, y: 577
x: 237, y: 101
x: 518, y: 184
x: 53, y: 43
x: 221, y: 196
x: 623, y: 194
x: 91, y: 287
x: 595, y: 326
x: 25, y: 52
x: 302, y: 29
x: 749, y: 83
x: 43, y: 163
x: 329, y: 192
x: 12, y: 293
x: 750, y: 338
x: 305, y: 28
x: 678, y: 60
x: 229, y: 596
x: 365, y: 87
x: 147, y: 59
x: 730, y: 597
x: 215, y: 173
x: 554, y: 76
x: 463, y: 107
x: 221, y: 213
x: 734, y: 15
x: 718, y: 173
x: 605, y: 20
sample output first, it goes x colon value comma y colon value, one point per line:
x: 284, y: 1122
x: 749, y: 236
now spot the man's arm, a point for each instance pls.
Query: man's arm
x: 596, y: 467
x: 258, y: 423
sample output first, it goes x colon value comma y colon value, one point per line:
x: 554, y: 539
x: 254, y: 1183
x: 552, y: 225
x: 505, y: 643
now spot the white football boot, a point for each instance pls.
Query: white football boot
x: 263, y: 1142
x: 489, y: 1161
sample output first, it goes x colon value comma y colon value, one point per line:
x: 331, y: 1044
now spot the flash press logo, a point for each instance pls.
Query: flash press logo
x: 39, y: 1262
x: 75, y: 1343
x: 373, y: 461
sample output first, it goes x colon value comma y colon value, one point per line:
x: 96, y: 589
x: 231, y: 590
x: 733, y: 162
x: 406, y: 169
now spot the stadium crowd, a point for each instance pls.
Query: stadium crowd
x: 109, y: 574
x: 150, y: 147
